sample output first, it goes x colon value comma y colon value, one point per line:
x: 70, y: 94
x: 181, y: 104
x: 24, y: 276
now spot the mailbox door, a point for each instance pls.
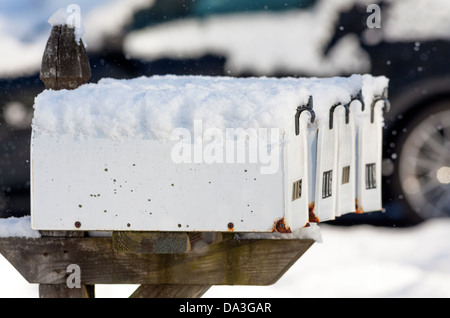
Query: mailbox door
x: 297, y: 179
x: 369, y: 163
x: 325, y: 193
x: 345, y: 169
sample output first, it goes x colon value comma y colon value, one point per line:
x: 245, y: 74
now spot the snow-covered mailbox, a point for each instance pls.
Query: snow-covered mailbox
x: 190, y: 153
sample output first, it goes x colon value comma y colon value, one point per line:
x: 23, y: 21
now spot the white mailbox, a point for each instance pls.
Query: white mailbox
x: 192, y: 153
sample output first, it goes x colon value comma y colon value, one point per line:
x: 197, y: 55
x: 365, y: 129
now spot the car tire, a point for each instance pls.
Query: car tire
x: 420, y: 156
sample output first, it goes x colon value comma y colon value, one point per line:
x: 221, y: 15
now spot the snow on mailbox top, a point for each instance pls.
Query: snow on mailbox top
x: 152, y: 107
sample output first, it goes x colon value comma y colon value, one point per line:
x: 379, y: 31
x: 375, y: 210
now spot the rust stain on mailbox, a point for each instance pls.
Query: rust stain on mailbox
x: 312, y: 217
x: 359, y: 209
x: 281, y: 226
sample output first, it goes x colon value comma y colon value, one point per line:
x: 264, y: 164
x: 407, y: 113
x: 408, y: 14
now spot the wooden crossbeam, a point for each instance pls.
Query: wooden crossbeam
x: 229, y: 262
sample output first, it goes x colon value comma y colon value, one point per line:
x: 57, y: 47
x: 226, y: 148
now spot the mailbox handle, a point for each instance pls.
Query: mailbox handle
x: 347, y: 113
x: 360, y: 98
x: 386, y: 108
x: 308, y: 107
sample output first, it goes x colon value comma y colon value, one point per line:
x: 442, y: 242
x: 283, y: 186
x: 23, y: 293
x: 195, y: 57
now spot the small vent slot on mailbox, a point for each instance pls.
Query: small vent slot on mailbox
x: 326, y: 184
x: 371, y: 181
x: 345, y: 174
x: 297, y: 190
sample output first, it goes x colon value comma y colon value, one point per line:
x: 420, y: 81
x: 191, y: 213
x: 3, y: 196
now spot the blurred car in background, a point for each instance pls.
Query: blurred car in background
x: 270, y: 38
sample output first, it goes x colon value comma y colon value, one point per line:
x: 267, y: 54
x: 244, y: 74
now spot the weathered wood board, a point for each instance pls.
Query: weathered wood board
x: 228, y: 262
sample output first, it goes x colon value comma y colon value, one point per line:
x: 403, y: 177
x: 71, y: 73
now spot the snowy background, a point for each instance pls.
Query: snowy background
x: 256, y: 42
x: 359, y: 261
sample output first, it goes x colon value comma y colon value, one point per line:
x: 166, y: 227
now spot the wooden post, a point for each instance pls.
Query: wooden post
x: 62, y: 291
x: 65, y: 65
x: 170, y: 291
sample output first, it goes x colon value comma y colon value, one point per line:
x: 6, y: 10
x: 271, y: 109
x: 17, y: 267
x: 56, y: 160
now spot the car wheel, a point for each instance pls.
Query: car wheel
x: 422, y: 162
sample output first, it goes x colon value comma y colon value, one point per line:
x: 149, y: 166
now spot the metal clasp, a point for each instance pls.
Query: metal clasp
x: 308, y: 107
x: 387, y: 104
x: 347, y: 113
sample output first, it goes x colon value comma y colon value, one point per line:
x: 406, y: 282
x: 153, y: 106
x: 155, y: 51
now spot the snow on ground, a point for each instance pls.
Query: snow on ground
x: 365, y: 261
x: 359, y: 261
